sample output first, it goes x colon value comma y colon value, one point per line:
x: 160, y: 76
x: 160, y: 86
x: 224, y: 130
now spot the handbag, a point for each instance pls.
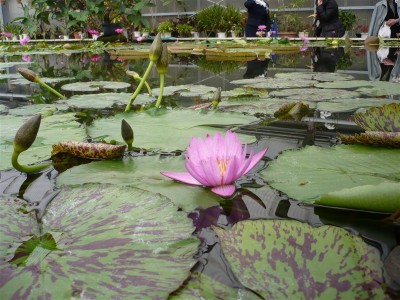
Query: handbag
x: 384, y: 31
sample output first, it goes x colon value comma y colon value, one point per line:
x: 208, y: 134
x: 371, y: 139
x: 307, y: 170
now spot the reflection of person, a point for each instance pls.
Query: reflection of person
x: 256, y: 68
x: 327, y: 13
x: 384, y: 64
x: 326, y: 59
x: 385, y: 11
x: 258, y: 14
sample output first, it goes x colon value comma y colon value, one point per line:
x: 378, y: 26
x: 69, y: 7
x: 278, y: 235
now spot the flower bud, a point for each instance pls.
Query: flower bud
x: 127, y: 133
x: 162, y: 62
x: 155, y: 48
x: 216, y: 98
x: 133, y: 74
x: 27, y: 133
x: 28, y: 74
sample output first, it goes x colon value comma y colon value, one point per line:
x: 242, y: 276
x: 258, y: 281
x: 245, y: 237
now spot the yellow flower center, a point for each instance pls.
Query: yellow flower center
x: 223, y: 165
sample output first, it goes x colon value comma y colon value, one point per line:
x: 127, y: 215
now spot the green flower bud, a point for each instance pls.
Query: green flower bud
x: 155, y: 48
x: 27, y: 133
x: 162, y: 62
x: 216, y: 98
x: 28, y: 74
x: 133, y: 74
x: 127, y: 133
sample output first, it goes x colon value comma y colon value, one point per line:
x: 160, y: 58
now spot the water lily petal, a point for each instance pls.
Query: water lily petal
x: 198, y: 173
x: 256, y: 158
x: 224, y: 190
x: 182, y: 177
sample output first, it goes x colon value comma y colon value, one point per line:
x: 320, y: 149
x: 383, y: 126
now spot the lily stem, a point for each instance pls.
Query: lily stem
x: 161, y: 92
x: 50, y: 88
x: 140, y: 86
x: 26, y: 169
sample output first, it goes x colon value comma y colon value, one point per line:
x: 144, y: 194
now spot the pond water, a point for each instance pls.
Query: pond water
x: 255, y: 198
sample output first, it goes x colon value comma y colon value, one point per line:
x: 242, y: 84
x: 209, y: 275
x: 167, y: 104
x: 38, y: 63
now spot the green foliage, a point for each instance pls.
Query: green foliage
x: 165, y: 26
x: 348, y: 19
x: 218, y: 18
x: 184, y: 29
x: 288, y: 18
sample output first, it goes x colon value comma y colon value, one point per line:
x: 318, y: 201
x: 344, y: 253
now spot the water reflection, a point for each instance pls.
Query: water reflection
x: 384, y: 64
x: 326, y: 59
x: 256, y: 68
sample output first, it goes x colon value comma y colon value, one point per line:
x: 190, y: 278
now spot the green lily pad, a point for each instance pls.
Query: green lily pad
x: 348, y: 104
x: 319, y: 76
x: 95, y: 86
x: 3, y: 109
x: 143, y: 173
x: 104, y: 100
x: 48, y: 80
x: 314, y: 94
x: 190, y: 90
x: 43, y: 109
x: 53, y: 128
x: 10, y: 76
x: 381, y: 88
x: 278, y: 83
x: 344, y: 84
x: 307, y: 174
x: 285, y: 259
x: 4, y: 65
x: 96, y: 242
x: 384, y: 197
x: 171, y: 130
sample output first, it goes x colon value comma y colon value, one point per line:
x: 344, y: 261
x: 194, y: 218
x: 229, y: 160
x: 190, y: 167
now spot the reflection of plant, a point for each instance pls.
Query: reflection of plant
x: 217, y: 67
x: 348, y: 19
x: 345, y: 62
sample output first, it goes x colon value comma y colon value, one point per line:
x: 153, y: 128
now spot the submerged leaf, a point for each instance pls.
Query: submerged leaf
x: 282, y: 259
x: 98, y: 242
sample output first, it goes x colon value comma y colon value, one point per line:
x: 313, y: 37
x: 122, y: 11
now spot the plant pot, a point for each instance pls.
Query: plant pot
x: 77, y: 35
x: 94, y: 37
x: 364, y: 35
x: 221, y: 35
x: 233, y: 34
x: 65, y: 37
x: 195, y: 35
x: 145, y: 34
x: 166, y: 34
x: 137, y: 34
x: 303, y: 34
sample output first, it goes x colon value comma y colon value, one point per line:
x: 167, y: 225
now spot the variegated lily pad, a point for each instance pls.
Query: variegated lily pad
x: 307, y: 174
x: 171, y: 130
x: 104, y: 100
x: 320, y: 76
x: 95, y: 241
x: 376, y: 138
x: 314, y: 94
x: 382, y: 118
x: 95, y: 86
x: 285, y: 259
x: 53, y: 128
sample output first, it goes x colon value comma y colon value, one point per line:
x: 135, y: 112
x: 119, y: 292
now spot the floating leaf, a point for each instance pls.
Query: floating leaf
x: 277, y: 83
x: 344, y: 84
x: 376, y: 138
x: 143, y: 172
x: 382, y: 118
x: 94, y: 86
x: 384, y: 197
x: 314, y: 94
x: 347, y: 104
x: 319, y: 76
x: 89, y: 150
x: 96, y: 241
x: 282, y: 259
x: 381, y: 88
x: 170, y: 131
x: 308, y: 173
x: 190, y: 90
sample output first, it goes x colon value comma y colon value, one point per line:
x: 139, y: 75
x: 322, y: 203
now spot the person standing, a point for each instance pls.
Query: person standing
x: 258, y: 14
x: 387, y: 11
x: 327, y: 13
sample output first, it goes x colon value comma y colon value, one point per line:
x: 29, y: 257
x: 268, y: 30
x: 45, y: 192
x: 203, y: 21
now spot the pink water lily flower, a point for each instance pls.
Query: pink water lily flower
x: 119, y: 30
x: 216, y: 162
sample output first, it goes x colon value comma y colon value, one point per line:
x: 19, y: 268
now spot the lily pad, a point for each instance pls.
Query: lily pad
x: 48, y: 80
x: 104, y: 100
x: 53, y: 128
x: 278, y: 83
x: 314, y: 94
x: 376, y: 138
x: 320, y: 76
x: 285, y: 259
x: 143, y: 173
x: 94, y: 86
x: 348, y: 104
x: 190, y: 90
x: 43, y: 109
x: 381, y: 88
x: 383, y: 118
x: 12, y: 64
x: 171, y: 130
x: 96, y: 241
x: 307, y: 174
x: 344, y: 84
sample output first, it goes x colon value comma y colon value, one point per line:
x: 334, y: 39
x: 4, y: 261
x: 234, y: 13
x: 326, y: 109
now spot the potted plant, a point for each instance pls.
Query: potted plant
x: 348, y: 19
x: 146, y: 31
x: 165, y: 27
x: 14, y: 28
x: 290, y: 23
x: 210, y: 20
x: 232, y: 18
x: 184, y: 30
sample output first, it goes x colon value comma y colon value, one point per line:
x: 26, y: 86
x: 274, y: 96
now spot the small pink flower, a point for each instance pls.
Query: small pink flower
x: 6, y: 34
x: 119, y: 30
x: 217, y: 162
x: 26, y: 58
x: 95, y: 58
x: 305, y: 39
x: 26, y: 39
x: 93, y: 32
x: 304, y: 48
x: 262, y: 27
x: 139, y: 39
